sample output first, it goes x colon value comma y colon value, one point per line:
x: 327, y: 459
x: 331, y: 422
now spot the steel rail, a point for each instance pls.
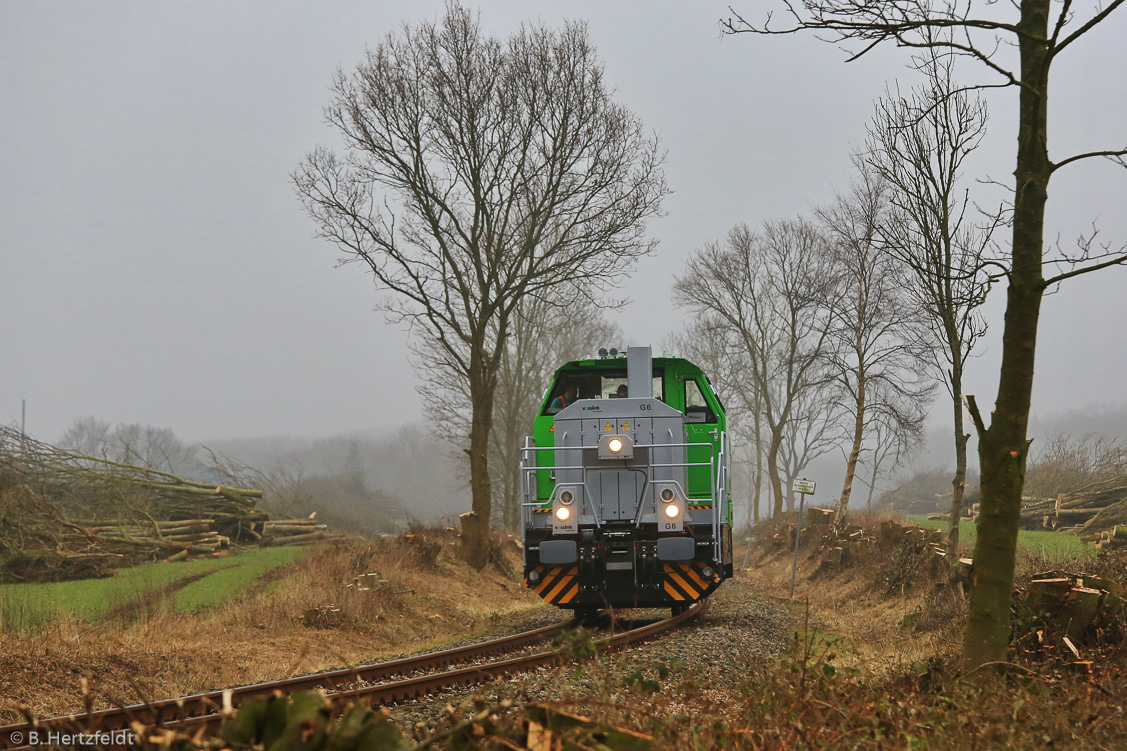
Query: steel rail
x: 172, y: 710
x: 207, y: 715
x: 408, y: 689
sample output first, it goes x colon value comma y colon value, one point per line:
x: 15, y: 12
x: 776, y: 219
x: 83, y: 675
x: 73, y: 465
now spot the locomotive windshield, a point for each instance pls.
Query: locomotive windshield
x: 603, y: 384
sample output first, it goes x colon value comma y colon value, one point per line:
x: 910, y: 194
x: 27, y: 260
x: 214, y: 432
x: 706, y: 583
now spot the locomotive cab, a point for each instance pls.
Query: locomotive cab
x: 625, y: 486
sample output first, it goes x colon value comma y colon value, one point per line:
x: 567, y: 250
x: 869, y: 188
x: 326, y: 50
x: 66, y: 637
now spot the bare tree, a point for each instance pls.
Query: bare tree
x: 877, y: 347
x: 1065, y: 462
x: 894, y: 433
x: 132, y: 443
x: 766, y: 292
x: 88, y: 436
x: 545, y: 333
x: 812, y: 431
x: 480, y: 172
x: 1040, y: 32
x: 918, y: 144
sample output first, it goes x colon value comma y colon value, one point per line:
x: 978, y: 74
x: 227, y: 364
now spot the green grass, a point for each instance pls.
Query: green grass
x: 220, y: 586
x: 1039, y: 542
x: 31, y: 606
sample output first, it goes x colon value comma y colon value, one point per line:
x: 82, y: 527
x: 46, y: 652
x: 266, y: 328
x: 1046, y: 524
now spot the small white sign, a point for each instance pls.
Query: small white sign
x: 805, y: 487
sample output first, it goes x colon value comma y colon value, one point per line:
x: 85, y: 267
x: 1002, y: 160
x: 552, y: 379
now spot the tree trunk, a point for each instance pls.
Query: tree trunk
x: 758, y: 492
x: 959, y: 482
x: 512, y: 502
x: 773, y: 468
x: 475, y: 525
x: 873, y: 480
x: 854, y: 453
x: 1003, y: 447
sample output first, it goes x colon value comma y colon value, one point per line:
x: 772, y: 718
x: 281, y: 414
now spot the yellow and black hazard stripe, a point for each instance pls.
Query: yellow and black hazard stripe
x: 541, y: 510
x: 686, y: 582
x: 558, y: 585
x: 698, y: 506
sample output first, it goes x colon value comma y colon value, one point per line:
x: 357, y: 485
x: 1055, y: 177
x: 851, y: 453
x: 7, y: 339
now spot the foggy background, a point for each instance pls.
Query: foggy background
x: 157, y: 267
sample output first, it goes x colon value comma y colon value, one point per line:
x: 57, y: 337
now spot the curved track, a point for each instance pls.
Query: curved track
x: 191, y: 712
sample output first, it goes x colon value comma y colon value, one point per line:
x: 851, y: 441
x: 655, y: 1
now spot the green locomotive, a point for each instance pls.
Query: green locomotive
x: 625, y: 486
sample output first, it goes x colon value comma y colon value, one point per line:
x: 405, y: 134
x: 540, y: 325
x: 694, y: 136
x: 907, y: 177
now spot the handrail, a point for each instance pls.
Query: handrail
x: 718, y: 478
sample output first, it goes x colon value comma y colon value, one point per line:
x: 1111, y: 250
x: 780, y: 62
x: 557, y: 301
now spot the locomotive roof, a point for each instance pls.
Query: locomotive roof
x: 618, y: 363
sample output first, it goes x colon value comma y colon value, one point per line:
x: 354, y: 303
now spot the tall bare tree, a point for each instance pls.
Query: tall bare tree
x: 918, y: 144
x: 545, y: 335
x: 766, y: 292
x: 896, y: 430
x: 812, y: 431
x: 877, y: 347
x: 1041, y: 32
x: 479, y: 172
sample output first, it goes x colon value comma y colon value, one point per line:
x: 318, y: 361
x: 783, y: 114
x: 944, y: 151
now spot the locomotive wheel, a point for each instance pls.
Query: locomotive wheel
x: 679, y: 608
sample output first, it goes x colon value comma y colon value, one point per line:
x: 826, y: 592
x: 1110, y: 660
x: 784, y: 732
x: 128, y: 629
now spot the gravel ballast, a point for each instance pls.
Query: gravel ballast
x: 741, y: 629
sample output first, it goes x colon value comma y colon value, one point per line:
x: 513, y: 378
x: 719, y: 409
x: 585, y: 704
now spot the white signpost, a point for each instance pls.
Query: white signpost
x: 804, y: 488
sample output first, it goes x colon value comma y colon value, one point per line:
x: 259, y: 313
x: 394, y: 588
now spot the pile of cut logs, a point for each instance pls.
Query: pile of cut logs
x: 187, y: 536
x: 293, y: 531
x: 1113, y: 538
x: 64, y: 515
x: 1090, y: 511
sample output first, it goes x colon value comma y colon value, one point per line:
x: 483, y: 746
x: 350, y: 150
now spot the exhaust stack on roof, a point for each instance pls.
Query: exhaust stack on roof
x: 639, y: 372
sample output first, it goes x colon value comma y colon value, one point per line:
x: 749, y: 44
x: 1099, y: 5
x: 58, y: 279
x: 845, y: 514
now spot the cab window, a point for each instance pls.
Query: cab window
x: 696, y: 407
x: 615, y: 386
x: 609, y: 384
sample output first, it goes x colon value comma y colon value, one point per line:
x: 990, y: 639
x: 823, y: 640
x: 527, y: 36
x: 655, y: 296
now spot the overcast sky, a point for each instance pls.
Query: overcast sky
x: 156, y: 266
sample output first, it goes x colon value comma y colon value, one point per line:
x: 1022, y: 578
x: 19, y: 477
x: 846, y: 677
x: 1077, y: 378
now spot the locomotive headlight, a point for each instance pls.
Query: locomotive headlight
x: 566, y: 497
x: 616, y: 446
x: 667, y: 495
x: 563, y: 513
x: 672, y: 511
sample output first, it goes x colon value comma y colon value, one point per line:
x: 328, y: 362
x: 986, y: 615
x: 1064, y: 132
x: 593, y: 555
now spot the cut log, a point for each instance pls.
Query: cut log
x: 1081, y: 607
x: 1046, y: 596
x: 1096, y: 582
x: 295, y: 539
x: 962, y: 570
x: 1077, y: 513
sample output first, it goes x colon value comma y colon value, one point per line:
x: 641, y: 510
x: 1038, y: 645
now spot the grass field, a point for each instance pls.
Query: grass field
x: 1038, y: 542
x: 192, y: 585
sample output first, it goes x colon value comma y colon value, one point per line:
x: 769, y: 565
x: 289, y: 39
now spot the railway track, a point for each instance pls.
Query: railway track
x: 190, y: 713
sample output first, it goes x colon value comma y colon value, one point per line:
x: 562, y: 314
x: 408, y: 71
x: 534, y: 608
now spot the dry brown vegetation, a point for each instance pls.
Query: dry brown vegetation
x: 875, y: 664
x: 310, y: 615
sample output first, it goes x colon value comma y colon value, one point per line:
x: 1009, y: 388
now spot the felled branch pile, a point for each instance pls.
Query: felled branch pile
x: 1092, y: 511
x: 185, y: 537
x: 128, y: 514
x: 73, y: 482
x: 837, y: 546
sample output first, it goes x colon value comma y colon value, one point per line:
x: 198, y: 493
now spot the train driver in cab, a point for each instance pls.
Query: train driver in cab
x: 569, y: 395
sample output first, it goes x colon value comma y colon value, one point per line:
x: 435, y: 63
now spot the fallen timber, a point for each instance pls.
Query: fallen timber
x: 65, y: 515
